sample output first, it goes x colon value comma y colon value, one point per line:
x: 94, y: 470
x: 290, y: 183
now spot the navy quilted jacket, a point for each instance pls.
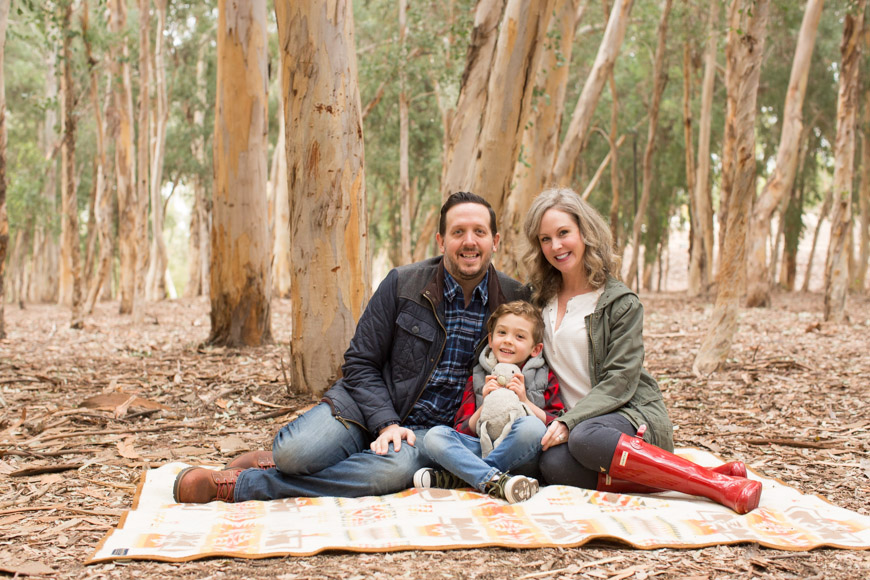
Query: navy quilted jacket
x: 398, y: 342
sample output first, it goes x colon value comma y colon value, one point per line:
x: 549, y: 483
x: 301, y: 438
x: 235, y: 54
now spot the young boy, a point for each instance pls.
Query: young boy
x: 516, y: 332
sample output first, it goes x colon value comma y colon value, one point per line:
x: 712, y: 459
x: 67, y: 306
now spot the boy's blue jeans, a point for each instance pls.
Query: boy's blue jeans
x: 460, y: 454
x: 318, y: 455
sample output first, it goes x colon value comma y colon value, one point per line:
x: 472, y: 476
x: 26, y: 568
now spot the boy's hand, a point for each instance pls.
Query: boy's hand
x: 392, y: 434
x: 490, y: 385
x: 518, y: 385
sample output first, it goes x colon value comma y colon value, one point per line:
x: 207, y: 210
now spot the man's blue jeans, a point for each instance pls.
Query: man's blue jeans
x: 460, y: 454
x: 318, y: 455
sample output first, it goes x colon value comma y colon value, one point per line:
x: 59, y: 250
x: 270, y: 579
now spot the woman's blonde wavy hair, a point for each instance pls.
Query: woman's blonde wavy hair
x: 599, y: 259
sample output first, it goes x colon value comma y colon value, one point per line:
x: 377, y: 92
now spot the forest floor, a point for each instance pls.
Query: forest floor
x: 793, y: 402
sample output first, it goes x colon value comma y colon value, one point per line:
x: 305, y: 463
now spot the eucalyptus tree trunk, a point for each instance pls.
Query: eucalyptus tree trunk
x: 4, y: 223
x: 326, y: 174
x: 156, y: 287
x: 858, y: 280
x: 199, y: 241
x: 241, y: 252
x: 588, y: 100
x: 732, y: 81
x: 404, y: 173
x: 696, y: 244
x: 540, y: 135
x: 282, y: 268
x: 782, y: 180
x: 43, y: 258
x: 143, y: 167
x: 837, y: 262
x: 125, y: 153
x: 660, y: 78
x: 507, y: 102
x: 701, y: 260
x: 464, y: 121
x: 102, y: 201
x: 71, y: 280
x: 823, y: 214
x: 717, y: 343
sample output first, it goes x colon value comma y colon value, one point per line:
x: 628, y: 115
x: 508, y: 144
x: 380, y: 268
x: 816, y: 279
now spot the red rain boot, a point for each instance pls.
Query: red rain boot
x: 640, y: 462
x: 609, y: 484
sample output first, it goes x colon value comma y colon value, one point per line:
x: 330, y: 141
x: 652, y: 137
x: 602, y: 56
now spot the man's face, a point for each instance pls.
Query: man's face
x: 468, y: 242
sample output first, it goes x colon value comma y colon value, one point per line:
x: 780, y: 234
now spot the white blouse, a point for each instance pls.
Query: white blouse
x: 566, y: 349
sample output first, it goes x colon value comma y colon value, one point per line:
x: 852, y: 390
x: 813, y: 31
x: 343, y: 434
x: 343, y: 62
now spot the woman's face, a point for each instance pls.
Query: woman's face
x: 561, y: 242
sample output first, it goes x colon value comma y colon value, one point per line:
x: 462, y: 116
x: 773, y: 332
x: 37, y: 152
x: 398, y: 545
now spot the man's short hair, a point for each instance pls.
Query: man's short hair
x: 465, y: 197
x: 522, y: 309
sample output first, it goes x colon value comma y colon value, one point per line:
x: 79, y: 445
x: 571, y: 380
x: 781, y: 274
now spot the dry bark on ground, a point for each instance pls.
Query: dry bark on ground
x: 84, y: 413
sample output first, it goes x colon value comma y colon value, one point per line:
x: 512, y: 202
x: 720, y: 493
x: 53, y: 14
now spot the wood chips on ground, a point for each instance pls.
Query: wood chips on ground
x: 84, y: 413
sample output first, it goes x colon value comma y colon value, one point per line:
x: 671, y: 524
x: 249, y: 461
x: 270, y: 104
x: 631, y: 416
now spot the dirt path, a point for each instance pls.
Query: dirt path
x: 793, y: 402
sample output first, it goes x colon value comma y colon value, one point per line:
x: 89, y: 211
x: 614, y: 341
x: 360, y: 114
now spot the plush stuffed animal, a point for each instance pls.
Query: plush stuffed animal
x: 500, y: 409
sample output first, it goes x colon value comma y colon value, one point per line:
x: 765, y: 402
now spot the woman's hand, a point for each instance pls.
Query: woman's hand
x: 392, y: 434
x: 557, y: 433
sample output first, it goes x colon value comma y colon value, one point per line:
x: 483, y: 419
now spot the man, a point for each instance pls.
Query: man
x: 404, y: 372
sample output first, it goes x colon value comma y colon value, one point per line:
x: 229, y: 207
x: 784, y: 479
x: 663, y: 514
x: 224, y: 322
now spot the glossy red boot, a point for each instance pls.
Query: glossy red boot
x: 640, y: 462
x: 609, y: 484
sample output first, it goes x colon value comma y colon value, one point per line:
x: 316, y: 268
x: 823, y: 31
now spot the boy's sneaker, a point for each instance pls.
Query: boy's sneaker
x: 438, y: 478
x: 512, y: 488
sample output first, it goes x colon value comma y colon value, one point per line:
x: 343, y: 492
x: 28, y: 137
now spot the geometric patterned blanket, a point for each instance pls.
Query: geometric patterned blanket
x: 156, y: 528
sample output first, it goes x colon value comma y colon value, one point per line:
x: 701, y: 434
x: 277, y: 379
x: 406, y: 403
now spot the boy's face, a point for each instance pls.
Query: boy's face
x: 512, y: 340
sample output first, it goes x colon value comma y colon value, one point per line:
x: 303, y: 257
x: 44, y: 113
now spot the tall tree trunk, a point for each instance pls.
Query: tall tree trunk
x: 241, y: 281
x: 518, y: 52
x: 282, y: 270
x: 836, y: 264
x: 588, y: 100
x: 701, y: 264
x: 660, y: 78
x: 156, y: 287
x: 4, y: 223
x: 696, y: 244
x: 70, y: 250
x: 329, y: 240
x: 732, y: 80
x: 717, y: 343
x: 125, y: 154
x: 859, y: 280
x: 199, y: 241
x: 103, y: 201
x: 404, y: 173
x: 464, y: 121
x: 143, y: 167
x: 823, y: 214
x: 541, y: 133
x: 757, y: 283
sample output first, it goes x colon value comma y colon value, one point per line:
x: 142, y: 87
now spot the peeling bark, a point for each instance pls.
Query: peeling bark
x: 4, y: 223
x: 240, y: 287
x: 717, y: 342
x: 588, y: 100
x: 326, y: 176
x: 782, y: 180
x: 837, y: 262
x: 660, y: 78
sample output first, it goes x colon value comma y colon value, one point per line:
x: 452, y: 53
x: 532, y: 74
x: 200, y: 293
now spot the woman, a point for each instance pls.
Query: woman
x: 616, y: 434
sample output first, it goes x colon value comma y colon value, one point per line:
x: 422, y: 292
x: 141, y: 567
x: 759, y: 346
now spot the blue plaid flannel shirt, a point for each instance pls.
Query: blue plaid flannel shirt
x: 440, y: 399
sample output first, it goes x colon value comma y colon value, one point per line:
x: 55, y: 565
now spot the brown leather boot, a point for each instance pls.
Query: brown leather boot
x: 252, y: 460
x: 609, y: 484
x: 201, y: 485
x: 641, y: 462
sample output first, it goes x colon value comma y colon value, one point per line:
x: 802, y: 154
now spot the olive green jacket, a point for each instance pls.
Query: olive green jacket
x: 619, y: 381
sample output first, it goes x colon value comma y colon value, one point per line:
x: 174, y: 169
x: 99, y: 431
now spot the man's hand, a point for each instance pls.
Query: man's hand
x: 392, y: 434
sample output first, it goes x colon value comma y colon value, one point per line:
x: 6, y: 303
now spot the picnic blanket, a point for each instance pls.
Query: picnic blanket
x: 156, y: 528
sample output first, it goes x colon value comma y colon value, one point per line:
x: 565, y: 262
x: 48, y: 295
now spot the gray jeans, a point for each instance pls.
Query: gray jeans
x: 588, y: 452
